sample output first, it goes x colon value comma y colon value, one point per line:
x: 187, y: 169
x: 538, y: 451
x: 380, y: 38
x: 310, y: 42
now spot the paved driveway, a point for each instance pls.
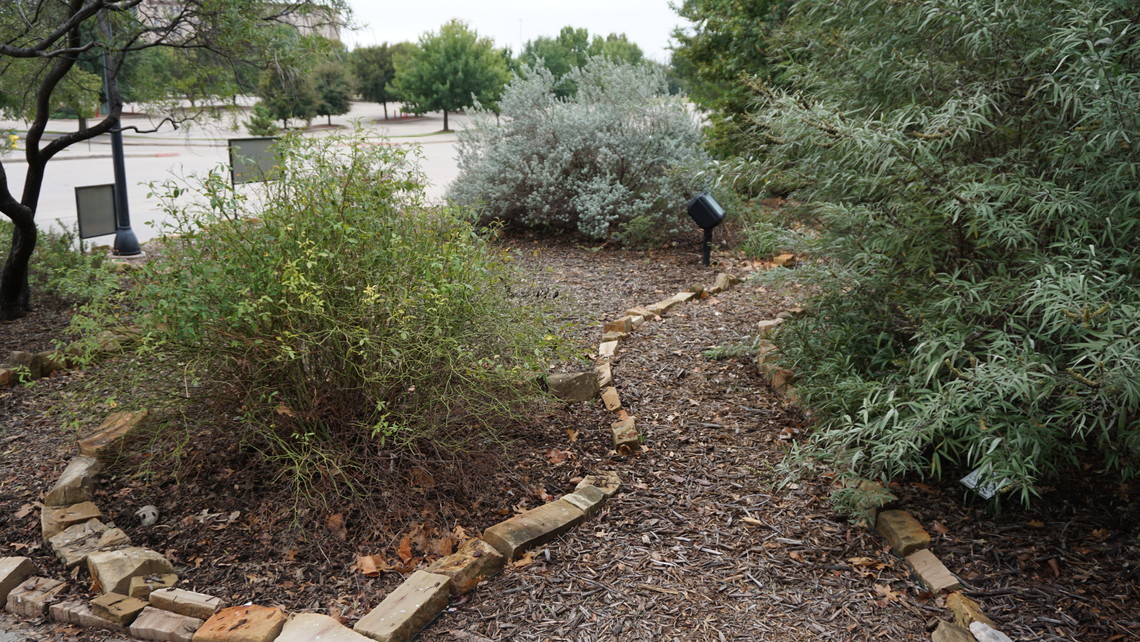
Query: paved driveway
x: 158, y: 157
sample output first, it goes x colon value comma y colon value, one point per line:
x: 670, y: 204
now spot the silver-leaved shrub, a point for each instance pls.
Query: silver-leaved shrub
x: 621, y: 151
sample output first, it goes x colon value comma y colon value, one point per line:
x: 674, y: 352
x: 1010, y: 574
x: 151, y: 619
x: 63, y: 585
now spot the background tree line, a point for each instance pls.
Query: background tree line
x: 446, y: 70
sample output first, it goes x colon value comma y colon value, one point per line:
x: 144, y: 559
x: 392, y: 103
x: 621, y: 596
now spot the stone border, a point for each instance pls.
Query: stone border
x: 910, y: 541
x: 905, y: 535
x: 25, y: 367
x: 137, y: 584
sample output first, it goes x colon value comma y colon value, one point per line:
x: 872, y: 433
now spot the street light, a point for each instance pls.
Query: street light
x: 126, y: 243
x: 707, y: 213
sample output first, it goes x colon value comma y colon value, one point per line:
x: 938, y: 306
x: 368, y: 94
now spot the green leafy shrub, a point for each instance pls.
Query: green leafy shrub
x: 351, y: 327
x: 974, y: 165
x: 62, y: 266
x: 614, y: 158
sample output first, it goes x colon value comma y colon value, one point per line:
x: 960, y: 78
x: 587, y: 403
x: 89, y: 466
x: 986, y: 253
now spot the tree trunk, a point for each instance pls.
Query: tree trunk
x: 15, y: 293
x: 445, y: 121
x: 385, y: 103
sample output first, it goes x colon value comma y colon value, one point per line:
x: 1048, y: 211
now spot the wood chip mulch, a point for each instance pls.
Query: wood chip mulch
x: 708, y: 539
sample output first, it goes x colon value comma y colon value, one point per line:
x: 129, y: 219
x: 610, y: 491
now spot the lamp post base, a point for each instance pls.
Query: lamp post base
x: 126, y: 243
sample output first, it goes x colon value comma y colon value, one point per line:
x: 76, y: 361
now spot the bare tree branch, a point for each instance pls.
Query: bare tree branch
x: 78, y: 15
x: 168, y: 119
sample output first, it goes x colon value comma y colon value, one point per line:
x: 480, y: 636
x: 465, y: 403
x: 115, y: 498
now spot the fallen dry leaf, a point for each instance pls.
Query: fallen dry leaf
x: 442, y: 546
x: 404, y: 550
x: 888, y: 594
x: 371, y: 565
x: 572, y: 434
x: 524, y: 561
x: 336, y: 525
x: 24, y: 511
x: 459, y: 533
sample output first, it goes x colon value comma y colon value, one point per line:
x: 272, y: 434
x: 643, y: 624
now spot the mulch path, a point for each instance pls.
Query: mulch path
x: 38, y: 330
x: 708, y: 539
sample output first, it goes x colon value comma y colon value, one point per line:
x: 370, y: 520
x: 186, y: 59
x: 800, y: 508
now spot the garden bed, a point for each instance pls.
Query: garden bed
x: 708, y: 538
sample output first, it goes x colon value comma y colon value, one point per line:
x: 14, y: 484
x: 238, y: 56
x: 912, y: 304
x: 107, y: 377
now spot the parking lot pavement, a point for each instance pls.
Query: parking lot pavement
x: 154, y: 158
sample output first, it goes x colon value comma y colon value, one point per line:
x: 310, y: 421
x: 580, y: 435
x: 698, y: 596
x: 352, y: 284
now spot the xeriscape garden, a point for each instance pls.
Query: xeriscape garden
x: 930, y: 271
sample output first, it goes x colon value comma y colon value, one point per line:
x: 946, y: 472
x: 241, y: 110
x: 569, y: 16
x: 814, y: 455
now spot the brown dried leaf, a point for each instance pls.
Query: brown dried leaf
x: 24, y: 511
x: 371, y: 565
x: 282, y: 409
x: 524, y: 561
x: 888, y: 594
x: 459, y: 533
x: 405, y: 549
x: 572, y: 434
x: 336, y: 525
x: 556, y: 456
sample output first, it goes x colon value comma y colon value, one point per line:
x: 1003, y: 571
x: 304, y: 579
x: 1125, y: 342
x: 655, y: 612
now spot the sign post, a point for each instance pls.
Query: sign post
x: 95, y: 205
x: 253, y: 160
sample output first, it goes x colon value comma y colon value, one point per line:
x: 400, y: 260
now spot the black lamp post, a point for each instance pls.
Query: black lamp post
x: 707, y: 213
x: 126, y: 243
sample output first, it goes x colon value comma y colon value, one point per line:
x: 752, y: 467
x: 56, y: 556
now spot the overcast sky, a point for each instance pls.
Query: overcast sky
x: 512, y: 22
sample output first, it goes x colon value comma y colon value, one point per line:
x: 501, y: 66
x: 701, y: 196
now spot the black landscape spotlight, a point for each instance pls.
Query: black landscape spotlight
x: 707, y: 214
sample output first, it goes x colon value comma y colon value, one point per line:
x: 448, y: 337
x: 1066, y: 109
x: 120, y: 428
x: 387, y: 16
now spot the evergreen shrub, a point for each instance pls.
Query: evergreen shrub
x: 617, y: 158
x: 975, y: 167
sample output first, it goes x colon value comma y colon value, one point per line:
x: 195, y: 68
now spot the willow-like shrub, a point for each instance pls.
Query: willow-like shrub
x: 974, y: 167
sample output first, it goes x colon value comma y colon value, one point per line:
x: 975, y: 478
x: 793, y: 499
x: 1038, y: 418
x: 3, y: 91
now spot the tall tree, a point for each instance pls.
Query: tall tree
x: 289, y: 92
x: 334, y: 85
x: 374, y: 68
x: 725, y: 46
x: 449, y: 71
x: 572, y: 48
x: 41, y: 44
